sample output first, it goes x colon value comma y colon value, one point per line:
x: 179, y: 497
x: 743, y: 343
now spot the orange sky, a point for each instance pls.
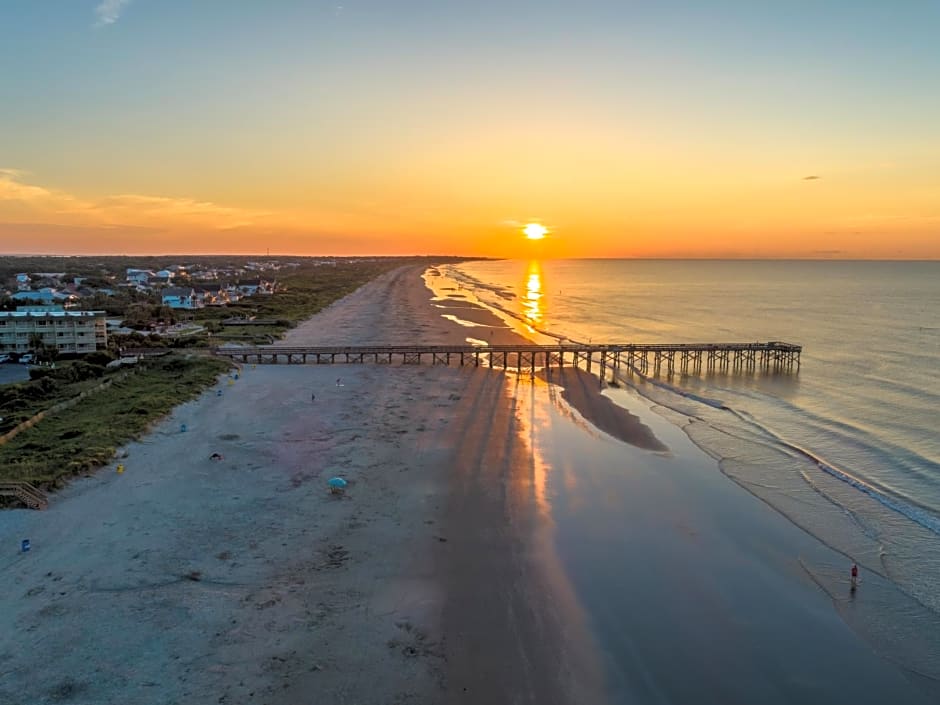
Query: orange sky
x: 627, y: 132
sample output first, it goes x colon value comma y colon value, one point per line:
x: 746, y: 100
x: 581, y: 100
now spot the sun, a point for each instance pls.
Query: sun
x: 535, y: 231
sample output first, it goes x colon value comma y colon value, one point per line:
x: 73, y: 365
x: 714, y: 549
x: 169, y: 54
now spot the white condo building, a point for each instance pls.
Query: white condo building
x: 66, y: 331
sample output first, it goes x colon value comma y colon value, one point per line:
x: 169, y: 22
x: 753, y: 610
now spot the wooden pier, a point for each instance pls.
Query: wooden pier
x: 684, y: 358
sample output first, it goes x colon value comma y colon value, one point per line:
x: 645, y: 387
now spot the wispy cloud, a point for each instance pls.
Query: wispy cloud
x: 188, y: 210
x: 109, y: 11
x: 11, y: 189
x: 125, y: 208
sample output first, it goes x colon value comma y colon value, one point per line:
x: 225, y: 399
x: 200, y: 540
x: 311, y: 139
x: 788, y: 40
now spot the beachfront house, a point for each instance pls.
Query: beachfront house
x: 182, y: 297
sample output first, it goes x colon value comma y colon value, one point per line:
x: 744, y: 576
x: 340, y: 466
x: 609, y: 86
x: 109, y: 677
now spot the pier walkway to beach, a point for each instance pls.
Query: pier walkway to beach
x: 773, y: 356
x: 25, y: 493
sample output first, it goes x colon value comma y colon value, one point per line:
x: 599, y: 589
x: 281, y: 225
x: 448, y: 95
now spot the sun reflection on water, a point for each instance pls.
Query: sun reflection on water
x: 532, y: 303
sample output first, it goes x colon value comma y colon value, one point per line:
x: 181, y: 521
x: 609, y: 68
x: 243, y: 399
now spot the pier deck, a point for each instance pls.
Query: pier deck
x: 644, y: 358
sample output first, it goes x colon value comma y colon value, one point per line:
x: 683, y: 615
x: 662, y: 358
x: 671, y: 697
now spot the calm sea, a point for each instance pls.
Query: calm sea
x: 847, y: 447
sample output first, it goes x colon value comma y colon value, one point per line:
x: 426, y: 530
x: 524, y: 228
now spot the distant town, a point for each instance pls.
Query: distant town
x: 84, y: 305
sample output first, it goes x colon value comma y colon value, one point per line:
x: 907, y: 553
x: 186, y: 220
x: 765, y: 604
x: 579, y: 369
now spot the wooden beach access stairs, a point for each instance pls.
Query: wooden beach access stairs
x: 773, y: 356
x: 27, y: 494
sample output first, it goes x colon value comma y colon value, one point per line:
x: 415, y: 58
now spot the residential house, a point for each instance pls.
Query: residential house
x: 181, y: 297
x: 211, y: 294
x: 49, y: 278
x: 138, y: 276
x: 255, y: 286
x: 46, y: 295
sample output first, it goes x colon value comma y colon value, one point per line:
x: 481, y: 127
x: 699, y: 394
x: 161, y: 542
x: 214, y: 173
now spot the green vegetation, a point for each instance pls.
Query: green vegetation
x: 85, y: 436
x: 48, y: 387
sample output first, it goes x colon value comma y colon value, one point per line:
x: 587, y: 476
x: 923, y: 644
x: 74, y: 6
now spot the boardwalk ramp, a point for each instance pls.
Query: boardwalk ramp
x: 31, y: 497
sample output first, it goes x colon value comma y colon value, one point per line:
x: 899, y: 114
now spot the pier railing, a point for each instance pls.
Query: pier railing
x: 644, y: 358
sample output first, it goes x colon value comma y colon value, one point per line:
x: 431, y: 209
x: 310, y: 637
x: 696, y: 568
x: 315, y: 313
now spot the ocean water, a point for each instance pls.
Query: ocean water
x: 846, y: 447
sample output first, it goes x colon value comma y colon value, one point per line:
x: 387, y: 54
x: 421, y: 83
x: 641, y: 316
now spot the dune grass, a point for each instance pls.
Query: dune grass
x: 86, y: 436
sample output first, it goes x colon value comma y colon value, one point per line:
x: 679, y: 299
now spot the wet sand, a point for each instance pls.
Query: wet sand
x: 501, y: 541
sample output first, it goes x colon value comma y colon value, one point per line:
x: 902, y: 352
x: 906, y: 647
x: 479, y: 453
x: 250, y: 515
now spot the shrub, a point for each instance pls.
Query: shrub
x: 69, y: 374
x: 100, y: 358
x: 40, y: 389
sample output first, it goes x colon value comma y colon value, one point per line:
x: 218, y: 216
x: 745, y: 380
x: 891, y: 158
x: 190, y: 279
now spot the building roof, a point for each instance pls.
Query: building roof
x: 51, y: 314
x: 33, y: 296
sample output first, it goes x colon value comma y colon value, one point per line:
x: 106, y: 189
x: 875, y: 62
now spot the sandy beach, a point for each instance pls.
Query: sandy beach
x: 187, y: 580
x: 476, y: 557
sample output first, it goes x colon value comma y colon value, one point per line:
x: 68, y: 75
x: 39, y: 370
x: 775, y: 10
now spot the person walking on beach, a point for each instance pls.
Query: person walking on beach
x: 854, y: 575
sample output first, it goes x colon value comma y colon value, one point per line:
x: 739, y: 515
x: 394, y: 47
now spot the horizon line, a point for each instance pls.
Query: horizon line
x: 478, y: 257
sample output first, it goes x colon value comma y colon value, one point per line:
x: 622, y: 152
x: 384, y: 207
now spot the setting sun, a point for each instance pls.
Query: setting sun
x: 534, y: 231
